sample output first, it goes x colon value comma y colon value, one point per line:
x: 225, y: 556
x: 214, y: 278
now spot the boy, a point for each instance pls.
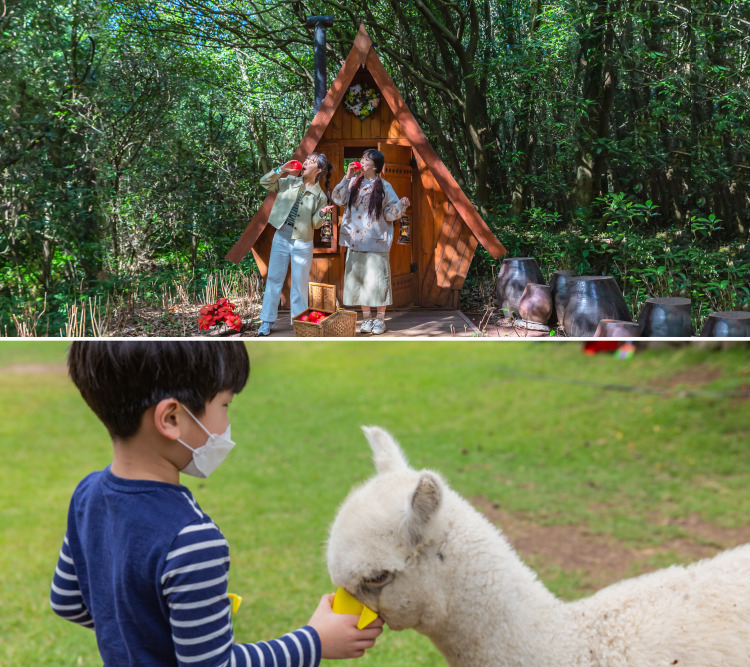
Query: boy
x: 141, y: 563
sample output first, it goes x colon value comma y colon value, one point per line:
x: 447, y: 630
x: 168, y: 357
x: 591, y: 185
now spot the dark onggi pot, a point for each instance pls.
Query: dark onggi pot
x: 727, y: 323
x: 515, y: 274
x: 617, y: 329
x: 559, y: 284
x: 593, y: 299
x: 667, y: 316
x: 536, y: 303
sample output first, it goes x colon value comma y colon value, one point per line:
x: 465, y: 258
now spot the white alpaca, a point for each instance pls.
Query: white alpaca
x: 416, y: 552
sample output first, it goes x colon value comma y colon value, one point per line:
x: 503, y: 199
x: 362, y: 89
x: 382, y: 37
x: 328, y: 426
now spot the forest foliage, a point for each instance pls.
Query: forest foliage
x: 608, y: 136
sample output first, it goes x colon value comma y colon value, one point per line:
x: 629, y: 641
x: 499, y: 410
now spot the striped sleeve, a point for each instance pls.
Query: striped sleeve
x: 65, y: 598
x: 194, y: 586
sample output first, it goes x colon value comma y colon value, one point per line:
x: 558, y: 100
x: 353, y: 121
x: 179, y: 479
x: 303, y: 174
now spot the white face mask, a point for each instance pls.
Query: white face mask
x: 207, y: 458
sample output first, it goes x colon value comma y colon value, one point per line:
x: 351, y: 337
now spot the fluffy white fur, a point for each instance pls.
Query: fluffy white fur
x: 420, y: 555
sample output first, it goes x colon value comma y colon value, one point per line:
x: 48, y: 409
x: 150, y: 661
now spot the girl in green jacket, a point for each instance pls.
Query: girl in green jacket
x: 299, y: 209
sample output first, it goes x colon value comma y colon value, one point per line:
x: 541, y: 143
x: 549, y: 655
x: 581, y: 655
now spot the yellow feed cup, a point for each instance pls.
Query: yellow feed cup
x: 344, y: 603
x: 236, y: 601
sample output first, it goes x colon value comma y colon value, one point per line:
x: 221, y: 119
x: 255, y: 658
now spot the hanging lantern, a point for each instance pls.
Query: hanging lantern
x: 404, y: 233
x: 326, y: 229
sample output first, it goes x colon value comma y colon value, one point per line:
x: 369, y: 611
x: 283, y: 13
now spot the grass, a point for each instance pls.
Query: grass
x: 557, y: 452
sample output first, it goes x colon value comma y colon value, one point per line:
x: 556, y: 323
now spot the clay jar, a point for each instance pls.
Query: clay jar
x: 617, y: 329
x: 536, y: 303
x: 593, y: 299
x: 515, y: 274
x: 666, y: 316
x: 723, y: 323
x: 559, y: 284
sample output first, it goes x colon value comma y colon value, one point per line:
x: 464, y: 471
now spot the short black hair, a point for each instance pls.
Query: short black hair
x: 120, y: 380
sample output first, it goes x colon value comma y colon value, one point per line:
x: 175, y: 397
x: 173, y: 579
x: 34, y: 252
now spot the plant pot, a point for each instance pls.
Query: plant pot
x: 593, y: 299
x: 617, y: 329
x: 536, y: 303
x: 559, y: 284
x: 666, y: 317
x: 515, y: 274
x: 727, y: 323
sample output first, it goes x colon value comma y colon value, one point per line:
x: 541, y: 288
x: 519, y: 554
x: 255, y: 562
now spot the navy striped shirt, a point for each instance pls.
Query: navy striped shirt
x: 144, y: 567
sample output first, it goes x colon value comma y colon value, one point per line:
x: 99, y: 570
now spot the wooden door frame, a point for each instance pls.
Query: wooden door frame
x: 412, y: 277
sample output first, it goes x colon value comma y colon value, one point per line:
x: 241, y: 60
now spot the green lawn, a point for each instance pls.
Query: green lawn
x: 561, y: 453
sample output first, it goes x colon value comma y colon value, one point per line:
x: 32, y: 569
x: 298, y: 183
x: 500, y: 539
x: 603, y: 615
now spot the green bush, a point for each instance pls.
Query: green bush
x: 623, y: 242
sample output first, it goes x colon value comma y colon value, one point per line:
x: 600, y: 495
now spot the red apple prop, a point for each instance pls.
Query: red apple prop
x: 357, y: 165
x: 316, y: 316
x: 304, y: 318
x: 296, y: 165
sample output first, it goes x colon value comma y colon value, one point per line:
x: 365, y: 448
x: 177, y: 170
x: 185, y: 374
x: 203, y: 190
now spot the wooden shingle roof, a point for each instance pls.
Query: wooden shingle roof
x: 363, y: 55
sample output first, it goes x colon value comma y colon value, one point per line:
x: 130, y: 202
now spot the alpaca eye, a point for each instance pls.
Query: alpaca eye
x: 378, y: 579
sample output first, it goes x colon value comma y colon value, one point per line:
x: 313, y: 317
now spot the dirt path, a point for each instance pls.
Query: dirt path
x: 600, y: 559
x: 33, y: 369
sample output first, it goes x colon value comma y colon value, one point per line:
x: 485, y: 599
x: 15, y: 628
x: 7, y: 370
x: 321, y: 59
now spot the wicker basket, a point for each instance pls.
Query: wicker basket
x: 338, y: 322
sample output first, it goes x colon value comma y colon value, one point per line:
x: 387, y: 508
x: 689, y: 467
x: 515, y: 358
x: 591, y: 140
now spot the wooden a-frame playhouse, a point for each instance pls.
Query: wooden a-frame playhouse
x: 445, y: 226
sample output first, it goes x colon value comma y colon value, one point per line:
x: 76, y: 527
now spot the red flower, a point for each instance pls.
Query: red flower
x: 234, y: 322
x: 216, y: 313
x: 226, y: 309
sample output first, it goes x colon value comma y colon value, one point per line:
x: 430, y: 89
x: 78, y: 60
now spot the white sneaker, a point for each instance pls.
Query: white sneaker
x: 265, y: 329
x: 378, y: 327
x: 366, y: 326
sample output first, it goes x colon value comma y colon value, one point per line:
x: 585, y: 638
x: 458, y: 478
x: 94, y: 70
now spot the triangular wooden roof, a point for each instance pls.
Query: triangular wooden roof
x: 363, y: 54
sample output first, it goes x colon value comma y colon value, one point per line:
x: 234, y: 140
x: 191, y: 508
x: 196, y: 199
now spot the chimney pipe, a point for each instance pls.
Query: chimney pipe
x: 320, y: 23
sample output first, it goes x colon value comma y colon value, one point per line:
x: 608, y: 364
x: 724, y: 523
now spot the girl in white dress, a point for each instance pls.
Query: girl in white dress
x: 367, y: 232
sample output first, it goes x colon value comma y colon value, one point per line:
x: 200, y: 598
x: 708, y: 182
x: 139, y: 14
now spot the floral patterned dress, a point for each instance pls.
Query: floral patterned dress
x: 367, y: 274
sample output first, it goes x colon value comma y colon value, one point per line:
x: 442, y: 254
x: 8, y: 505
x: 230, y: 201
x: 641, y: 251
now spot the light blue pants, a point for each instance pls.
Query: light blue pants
x: 284, y: 251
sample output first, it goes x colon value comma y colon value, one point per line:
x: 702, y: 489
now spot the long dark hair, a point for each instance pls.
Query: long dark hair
x: 325, y: 170
x: 375, y: 205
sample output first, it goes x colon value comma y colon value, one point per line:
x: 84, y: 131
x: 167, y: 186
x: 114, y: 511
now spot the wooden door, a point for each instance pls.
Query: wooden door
x: 332, y: 151
x: 328, y: 260
x: 398, y: 172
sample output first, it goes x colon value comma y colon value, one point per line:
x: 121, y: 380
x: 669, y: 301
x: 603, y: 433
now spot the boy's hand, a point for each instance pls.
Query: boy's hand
x: 339, y: 636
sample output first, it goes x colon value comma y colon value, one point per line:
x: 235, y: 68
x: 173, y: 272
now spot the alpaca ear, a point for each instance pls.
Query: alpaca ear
x: 425, y: 501
x: 386, y: 452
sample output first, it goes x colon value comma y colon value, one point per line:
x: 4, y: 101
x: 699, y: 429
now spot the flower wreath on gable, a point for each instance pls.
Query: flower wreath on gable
x: 361, y: 101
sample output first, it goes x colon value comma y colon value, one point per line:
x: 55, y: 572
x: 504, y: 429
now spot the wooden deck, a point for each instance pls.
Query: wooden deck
x: 403, y: 323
